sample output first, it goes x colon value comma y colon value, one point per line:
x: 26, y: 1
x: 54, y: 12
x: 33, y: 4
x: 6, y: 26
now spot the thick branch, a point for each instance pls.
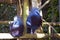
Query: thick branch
x: 50, y: 23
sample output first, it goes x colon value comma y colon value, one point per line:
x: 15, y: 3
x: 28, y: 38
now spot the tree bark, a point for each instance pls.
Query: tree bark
x: 25, y: 13
x: 34, y: 3
x: 19, y: 8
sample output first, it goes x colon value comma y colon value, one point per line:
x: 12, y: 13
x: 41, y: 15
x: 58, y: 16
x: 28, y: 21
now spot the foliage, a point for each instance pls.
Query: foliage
x: 52, y: 11
x: 57, y: 28
x: 9, y: 14
x: 4, y: 28
x: 6, y: 15
x: 45, y: 28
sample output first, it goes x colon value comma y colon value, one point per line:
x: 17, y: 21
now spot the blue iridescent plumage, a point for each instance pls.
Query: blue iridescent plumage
x: 16, y: 28
x: 34, y: 19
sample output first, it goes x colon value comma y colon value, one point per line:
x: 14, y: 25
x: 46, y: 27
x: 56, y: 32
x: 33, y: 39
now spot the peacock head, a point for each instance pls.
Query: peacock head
x: 16, y: 18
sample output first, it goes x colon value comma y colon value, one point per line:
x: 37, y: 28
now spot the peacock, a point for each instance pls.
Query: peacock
x: 16, y: 28
x: 34, y: 20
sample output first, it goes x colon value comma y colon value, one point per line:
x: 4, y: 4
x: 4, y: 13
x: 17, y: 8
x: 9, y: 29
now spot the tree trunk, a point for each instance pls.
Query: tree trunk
x: 19, y: 8
x: 25, y: 13
x: 34, y: 3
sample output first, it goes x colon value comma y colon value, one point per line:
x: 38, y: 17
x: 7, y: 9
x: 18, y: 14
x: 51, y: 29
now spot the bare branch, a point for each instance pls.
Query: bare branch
x: 44, y: 4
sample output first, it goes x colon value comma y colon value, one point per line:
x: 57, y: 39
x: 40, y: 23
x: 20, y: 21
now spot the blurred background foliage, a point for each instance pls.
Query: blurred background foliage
x: 7, y: 12
x: 50, y: 13
x: 4, y: 28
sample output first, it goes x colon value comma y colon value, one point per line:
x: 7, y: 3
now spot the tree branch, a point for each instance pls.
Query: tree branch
x: 44, y: 4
